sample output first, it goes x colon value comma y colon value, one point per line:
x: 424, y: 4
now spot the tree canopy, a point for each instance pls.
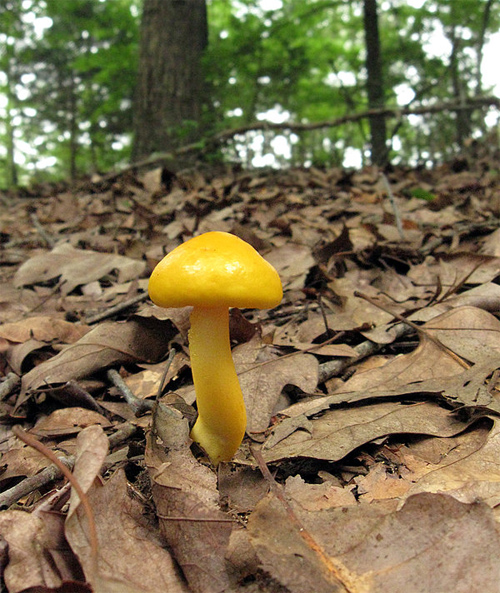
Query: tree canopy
x: 68, y: 73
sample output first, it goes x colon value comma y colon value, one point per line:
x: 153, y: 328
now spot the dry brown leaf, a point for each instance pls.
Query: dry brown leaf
x: 453, y: 268
x: 468, y: 476
x: 318, y: 497
x: 186, y: 499
x: 337, y: 432
x: 44, y: 329
x: 433, y: 543
x: 38, y: 554
x: 262, y: 377
x: 68, y: 421
x: 131, y: 554
x: 18, y: 355
x: 469, y: 332
x: 283, y: 553
x: 130, y: 559
x: 139, y: 339
x: 293, y: 262
x: 75, y: 267
x: 491, y: 245
x: 20, y: 462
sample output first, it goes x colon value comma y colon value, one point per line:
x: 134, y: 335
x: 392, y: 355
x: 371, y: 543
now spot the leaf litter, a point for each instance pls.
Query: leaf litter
x: 372, y: 390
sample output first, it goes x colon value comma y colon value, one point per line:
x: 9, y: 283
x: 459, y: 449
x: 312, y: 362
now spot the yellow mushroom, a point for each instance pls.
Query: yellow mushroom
x: 213, y: 272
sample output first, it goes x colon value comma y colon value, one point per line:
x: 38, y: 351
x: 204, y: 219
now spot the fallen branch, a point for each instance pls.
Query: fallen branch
x: 264, y: 126
x: 53, y: 472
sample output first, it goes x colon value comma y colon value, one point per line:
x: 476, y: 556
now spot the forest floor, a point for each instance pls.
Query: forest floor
x: 371, y: 461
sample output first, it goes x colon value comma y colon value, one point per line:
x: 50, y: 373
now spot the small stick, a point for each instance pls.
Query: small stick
x: 41, y: 231
x: 170, y: 358
x: 333, y: 368
x: 196, y: 519
x: 11, y: 382
x: 33, y: 483
x: 137, y: 405
x: 52, y: 472
x: 395, y: 209
x: 421, y: 331
x: 139, y: 298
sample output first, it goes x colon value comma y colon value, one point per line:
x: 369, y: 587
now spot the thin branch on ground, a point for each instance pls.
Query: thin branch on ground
x: 112, y: 311
x: 53, y: 472
x: 137, y: 405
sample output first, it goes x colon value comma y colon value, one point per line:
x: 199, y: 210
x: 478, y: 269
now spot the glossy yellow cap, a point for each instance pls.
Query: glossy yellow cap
x: 215, y: 269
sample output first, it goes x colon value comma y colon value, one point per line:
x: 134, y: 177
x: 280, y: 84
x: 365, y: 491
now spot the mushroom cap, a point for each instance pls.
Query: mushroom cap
x: 215, y: 269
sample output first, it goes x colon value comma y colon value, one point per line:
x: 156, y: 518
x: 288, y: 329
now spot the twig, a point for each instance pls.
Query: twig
x: 7, y: 386
x: 52, y: 473
x: 333, y: 368
x: 41, y: 231
x: 33, y: 483
x: 137, y: 405
x: 170, y: 358
x: 195, y: 519
x: 420, y: 330
x: 116, y: 309
x: 394, y: 206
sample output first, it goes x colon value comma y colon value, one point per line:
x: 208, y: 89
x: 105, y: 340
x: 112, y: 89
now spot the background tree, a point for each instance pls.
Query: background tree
x: 15, y: 36
x: 171, y: 89
x: 86, y: 69
x: 375, y: 82
x: 68, y: 72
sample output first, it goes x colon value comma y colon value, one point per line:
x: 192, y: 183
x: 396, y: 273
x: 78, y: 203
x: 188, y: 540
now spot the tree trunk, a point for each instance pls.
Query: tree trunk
x: 73, y: 128
x: 462, y: 118
x: 375, y: 83
x: 170, y: 92
x: 11, y: 171
x: 480, y: 47
x: 12, y: 179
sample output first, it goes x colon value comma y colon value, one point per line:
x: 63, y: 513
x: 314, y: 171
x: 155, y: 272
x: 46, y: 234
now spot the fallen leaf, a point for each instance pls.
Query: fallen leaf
x: 75, y: 267
x: 186, y: 498
x: 38, y: 554
x: 337, y: 432
x: 138, y: 340
x: 292, y: 262
x: 434, y: 543
x: 263, y: 375
x: 44, y: 329
x: 68, y: 421
x: 468, y: 476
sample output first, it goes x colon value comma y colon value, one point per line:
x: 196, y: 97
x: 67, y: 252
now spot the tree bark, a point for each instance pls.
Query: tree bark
x: 11, y: 170
x: 171, y: 89
x: 374, y: 82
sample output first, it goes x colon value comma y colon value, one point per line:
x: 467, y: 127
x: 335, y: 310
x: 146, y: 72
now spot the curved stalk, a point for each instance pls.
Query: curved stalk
x: 221, y: 422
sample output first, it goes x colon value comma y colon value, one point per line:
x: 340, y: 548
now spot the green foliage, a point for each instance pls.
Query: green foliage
x: 75, y: 82
x: 68, y: 72
x: 422, y: 194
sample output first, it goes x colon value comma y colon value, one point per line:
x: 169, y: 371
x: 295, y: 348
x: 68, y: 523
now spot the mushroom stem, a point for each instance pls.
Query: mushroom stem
x: 221, y: 422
